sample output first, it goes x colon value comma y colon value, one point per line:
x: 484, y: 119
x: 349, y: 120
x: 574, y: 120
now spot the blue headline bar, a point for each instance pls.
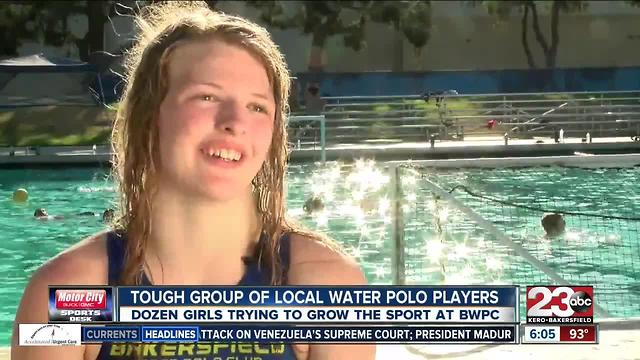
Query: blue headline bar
x: 283, y: 334
x: 170, y: 334
x: 499, y: 296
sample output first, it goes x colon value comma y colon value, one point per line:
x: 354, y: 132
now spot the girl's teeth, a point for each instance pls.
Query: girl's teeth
x: 227, y: 155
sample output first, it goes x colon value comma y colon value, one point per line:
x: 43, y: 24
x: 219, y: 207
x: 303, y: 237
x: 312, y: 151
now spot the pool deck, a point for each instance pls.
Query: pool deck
x: 470, y: 148
x: 620, y: 341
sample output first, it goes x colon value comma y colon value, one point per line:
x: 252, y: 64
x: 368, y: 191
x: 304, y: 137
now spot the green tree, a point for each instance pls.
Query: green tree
x: 47, y: 22
x: 33, y: 20
x: 529, y: 10
x: 325, y: 19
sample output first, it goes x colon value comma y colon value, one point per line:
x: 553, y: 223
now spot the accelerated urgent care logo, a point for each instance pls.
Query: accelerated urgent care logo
x: 50, y: 334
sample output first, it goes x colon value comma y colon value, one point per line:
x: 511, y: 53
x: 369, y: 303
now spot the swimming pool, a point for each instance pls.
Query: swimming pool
x: 442, y: 245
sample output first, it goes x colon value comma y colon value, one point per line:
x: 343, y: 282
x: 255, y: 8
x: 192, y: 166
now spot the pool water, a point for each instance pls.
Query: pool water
x: 442, y: 245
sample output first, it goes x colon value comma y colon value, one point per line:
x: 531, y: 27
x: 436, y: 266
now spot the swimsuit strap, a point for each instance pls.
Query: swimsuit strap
x: 115, y: 255
x: 255, y: 273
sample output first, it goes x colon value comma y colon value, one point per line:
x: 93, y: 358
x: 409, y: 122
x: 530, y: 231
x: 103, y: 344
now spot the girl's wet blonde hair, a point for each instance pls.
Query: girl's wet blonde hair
x: 161, y: 28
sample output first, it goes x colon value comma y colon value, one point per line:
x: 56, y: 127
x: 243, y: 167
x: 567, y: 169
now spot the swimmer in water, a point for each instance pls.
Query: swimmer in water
x: 553, y: 224
x: 87, y: 213
x: 313, y: 204
x: 200, y: 153
x: 41, y: 214
x: 107, y: 216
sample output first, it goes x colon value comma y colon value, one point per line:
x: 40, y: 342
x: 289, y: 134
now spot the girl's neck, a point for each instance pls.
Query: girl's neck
x: 194, y: 241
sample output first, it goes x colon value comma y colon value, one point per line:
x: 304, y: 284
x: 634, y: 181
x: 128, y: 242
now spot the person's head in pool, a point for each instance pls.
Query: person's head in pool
x: 40, y: 213
x: 107, y: 215
x: 313, y: 204
x: 553, y: 224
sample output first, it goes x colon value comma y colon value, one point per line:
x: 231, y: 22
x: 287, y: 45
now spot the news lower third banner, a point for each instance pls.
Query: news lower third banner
x: 318, y: 314
x: 367, y: 304
x: 285, y: 305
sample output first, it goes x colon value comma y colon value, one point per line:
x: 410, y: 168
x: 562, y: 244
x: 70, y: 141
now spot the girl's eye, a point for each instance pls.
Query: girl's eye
x: 258, y: 108
x: 208, y: 98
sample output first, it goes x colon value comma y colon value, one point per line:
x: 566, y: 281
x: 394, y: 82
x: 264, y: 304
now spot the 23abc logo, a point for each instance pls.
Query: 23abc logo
x: 575, y: 300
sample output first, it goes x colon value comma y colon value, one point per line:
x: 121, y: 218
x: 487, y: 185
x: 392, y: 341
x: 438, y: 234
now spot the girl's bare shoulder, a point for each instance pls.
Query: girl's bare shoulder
x: 314, y: 262
x: 84, y: 263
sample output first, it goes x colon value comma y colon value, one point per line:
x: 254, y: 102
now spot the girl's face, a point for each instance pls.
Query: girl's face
x: 216, y: 121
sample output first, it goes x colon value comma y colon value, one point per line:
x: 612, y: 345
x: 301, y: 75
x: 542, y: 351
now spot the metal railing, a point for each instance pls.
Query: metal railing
x: 357, y: 119
x: 311, y: 119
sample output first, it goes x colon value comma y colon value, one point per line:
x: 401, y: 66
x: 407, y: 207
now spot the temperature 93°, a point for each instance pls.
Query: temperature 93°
x: 586, y: 334
x: 578, y: 334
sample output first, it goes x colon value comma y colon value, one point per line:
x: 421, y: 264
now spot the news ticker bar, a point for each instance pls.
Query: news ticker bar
x: 466, y: 334
x: 560, y: 334
x: 469, y: 334
x: 219, y: 336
